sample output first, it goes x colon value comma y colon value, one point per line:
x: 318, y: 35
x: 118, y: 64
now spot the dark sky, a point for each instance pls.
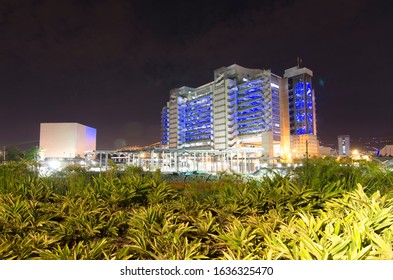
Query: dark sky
x: 111, y: 64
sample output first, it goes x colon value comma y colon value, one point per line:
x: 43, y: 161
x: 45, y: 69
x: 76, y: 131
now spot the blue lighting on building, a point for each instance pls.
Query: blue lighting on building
x: 196, y: 119
x: 165, y: 126
x: 251, y: 105
x: 303, y: 108
x: 309, y: 109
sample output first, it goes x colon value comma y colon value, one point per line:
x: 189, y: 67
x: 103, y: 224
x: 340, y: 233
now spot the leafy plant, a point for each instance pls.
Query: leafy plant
x: 323, y: 211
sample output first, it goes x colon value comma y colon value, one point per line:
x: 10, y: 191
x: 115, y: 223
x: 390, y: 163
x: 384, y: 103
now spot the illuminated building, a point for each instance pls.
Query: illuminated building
x: 302, y: 117
x: 165, y: 126
x: 241, y: 108
x: 190, y: 118
x: 386, y: 151
x: 327, y: 151
x: 242, y: 121
x: 344, y: 145
x: 66, y: 140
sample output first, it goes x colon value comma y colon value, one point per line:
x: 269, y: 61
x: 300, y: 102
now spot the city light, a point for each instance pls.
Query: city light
x: 366, y: 157
x: 54, y: 164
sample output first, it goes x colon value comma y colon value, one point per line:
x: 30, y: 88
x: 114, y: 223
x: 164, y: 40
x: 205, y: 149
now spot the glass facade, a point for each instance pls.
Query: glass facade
x: 276, y: 112
x: 253, y: 108
x: 250, y: 107
x: 198, y: 119
x: 258, y: 107
x: 195, y: 121
x: 165, y: 126
x: 242, y: 108
x: 301, y: 105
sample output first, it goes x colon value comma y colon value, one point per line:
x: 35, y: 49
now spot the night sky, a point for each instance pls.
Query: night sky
x: 111, y: 64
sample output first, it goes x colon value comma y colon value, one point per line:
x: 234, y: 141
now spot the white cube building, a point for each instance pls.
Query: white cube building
x: 66, y: 140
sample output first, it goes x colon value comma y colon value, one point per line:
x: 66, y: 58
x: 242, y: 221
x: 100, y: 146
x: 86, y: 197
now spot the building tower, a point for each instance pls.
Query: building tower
x: 343, y: 145
x: 247, y: 108
x: 302, y: 118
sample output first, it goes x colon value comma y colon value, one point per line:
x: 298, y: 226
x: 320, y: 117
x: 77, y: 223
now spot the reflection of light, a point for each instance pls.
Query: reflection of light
x: 54, y: 164
x: 274, y: 85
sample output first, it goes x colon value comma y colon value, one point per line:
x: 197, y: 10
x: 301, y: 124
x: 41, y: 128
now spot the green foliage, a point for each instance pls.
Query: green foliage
x: 13, y: 154
x: 362, y: 229
x: 32, y: 153
x: 14, y: 174
x: 321, y: 211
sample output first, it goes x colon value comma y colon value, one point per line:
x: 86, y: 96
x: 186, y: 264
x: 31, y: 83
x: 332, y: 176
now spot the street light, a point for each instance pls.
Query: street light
x: 355, y: 154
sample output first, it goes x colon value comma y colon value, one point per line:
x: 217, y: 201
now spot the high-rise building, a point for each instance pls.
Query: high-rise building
x: 344, y: 145
x: 244, y: 109
x: 241, y: 108
x: 302, y: 117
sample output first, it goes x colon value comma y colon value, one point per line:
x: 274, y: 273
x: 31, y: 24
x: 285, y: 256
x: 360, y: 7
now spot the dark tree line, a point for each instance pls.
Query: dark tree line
x: 16, y: 154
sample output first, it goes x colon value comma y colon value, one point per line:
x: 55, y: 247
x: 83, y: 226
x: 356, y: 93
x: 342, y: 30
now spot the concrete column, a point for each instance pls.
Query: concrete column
x: 162, y: 161
x: 176, y: 165
x: 205, y: 162
x: 238, y: 161
x: 152, y: 164
x: 245, y: 162
x: 228, y: 155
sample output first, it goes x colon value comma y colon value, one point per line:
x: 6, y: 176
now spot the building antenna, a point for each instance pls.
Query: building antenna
x: 299, y: 62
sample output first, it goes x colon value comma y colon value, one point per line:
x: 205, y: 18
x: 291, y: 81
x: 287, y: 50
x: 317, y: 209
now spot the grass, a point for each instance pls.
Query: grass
x: 323, y: 211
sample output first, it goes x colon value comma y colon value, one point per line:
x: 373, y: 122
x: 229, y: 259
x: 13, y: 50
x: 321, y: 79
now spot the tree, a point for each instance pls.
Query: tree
x: 32, y: 153
x: 13, y: 154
